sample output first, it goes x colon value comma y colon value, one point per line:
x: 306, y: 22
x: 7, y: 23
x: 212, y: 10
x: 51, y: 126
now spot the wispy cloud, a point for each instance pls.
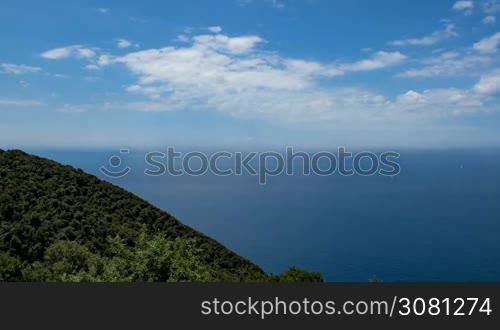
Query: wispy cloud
x: 222, y: 43
x: 379, y: 60
x: 124, y: 43
x: 489, y: 83
x: 465, y: 6
x: 94, y: 56
x: 446, y: 64
x: 70, y: 108
x: 18, y: 69
x: 69, y: 51
x: 489, y: 20
x: 488, y: 45
x: 18, y: 103
x: 60, y: 75
x: 431, y: 39
x: 214, y: 29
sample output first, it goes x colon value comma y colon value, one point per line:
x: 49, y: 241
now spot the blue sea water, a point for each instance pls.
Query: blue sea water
x: 438, y: 220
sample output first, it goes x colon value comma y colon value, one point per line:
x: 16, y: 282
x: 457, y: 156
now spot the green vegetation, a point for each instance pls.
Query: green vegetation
x: 61, y: 224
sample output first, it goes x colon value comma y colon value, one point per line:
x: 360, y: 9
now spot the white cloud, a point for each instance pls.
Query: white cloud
x: 489, y: 83
x: 463, y: 5
x: 94, y: 60
x: 104, y: 59
x: 225, y: 63
x: 19, y: 103
x: 18, y: 69
x: 92, y: 67
x: 445, y: 100
x: 309, y: 68
x: 378, y: 61
x: 212, y: 63
x: 433, y: 38
x: 69, y: 51
x: 103, y: 10
x: 85, y: 52
x: 488, y: 45
x: 214, y: 29
x: 124, y: 43
x: 222, y: 43
x: 248, y: 82
x: 61, y: 76
x: 452, y: 63
x: 489, y: 20
x: 317, y: 104
x: 182, y: 38
x: 235, y: 76
x: 70, y: 108
x: 58, y: 53
x: 411, y: 97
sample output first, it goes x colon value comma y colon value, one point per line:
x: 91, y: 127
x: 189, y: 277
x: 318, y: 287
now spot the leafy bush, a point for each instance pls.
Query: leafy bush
x: 297, y: 275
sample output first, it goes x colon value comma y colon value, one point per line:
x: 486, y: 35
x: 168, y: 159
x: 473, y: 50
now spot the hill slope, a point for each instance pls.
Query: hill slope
x: 58, y: 223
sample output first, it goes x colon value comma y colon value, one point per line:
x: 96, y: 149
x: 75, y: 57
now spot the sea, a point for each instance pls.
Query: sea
x: 438, y: 220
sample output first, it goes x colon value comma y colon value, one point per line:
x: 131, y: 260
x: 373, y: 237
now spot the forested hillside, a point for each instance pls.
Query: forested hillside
x: 58, y: 223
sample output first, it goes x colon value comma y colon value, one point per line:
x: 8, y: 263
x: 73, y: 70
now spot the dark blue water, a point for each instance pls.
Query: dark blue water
x: 439, y: 220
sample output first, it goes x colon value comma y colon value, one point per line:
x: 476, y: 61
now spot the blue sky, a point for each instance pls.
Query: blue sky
x: 310, y: 73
